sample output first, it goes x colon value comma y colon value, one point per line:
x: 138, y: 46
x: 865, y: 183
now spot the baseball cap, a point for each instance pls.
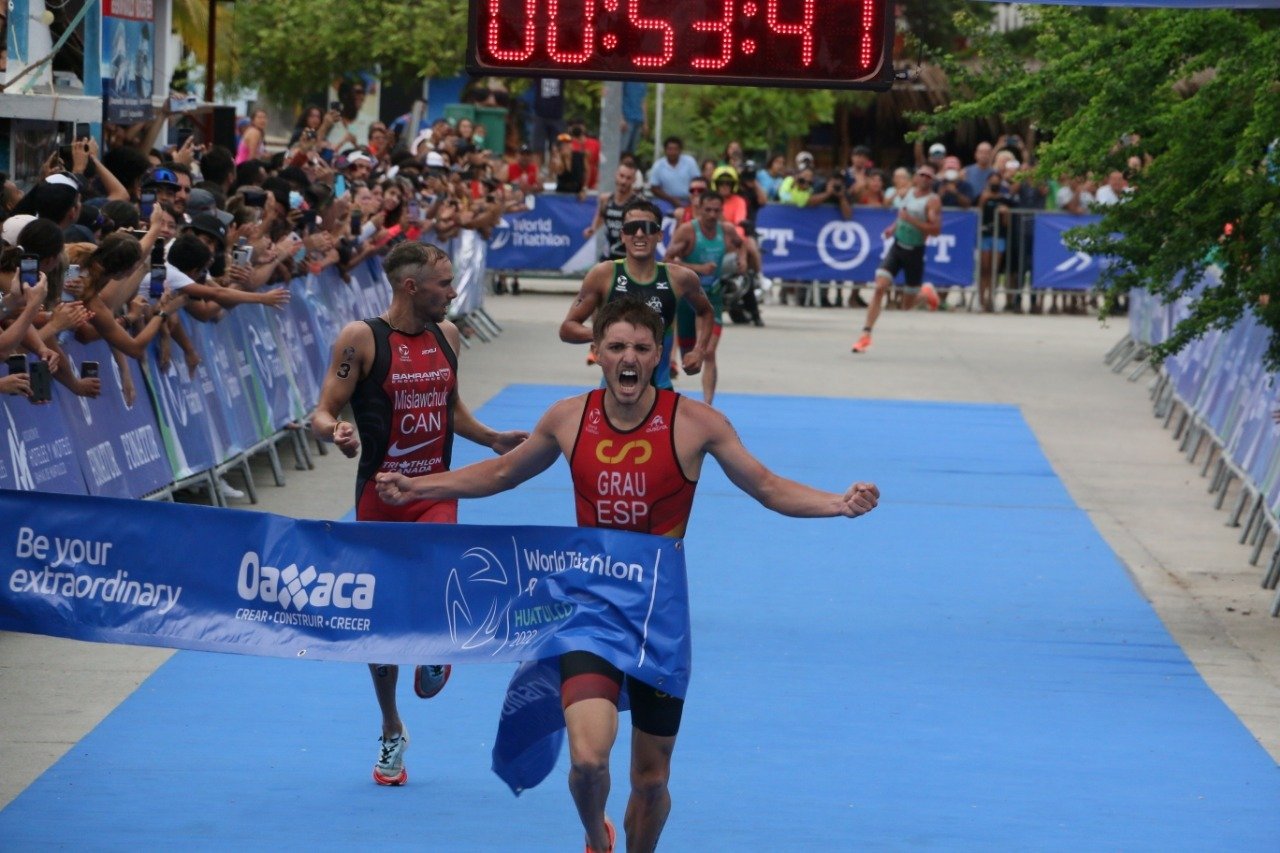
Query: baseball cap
x: 201, y: 201
x: 211, y: 224
x: 63, y: 179
x: 804, y: 157
x: 525, y: 149
x: 358, y: 157
x: 13, y: 227
x: 435, y: 160
x: 564, y: 137
x: 161, y: 177
x: 937, y: 149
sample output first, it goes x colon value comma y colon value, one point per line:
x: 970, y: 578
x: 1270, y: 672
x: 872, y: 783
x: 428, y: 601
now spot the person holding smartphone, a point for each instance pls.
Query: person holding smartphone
x: 120, y: 256
x: 23, y: 294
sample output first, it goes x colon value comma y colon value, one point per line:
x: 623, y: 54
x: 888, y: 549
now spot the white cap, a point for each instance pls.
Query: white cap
x: 1012, y: 164
x: 13, y: 227
x: 359, y: 157
x: 423, y: 137
x: 63, y: 179
x: 937, y: 149
x: 435, y: 160
x: 804, y: 157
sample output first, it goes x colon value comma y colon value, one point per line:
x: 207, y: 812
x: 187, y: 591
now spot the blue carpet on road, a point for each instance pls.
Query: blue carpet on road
x: 969, y: 668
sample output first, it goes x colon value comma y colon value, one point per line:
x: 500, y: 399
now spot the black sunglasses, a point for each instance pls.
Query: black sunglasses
x: 640, y: 226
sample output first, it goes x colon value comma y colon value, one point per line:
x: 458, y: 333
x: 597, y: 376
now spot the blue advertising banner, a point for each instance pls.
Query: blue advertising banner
x: 231, y: 377
x: 1053, y: 264
x: 117, y: 443
x: 108, y: 570
x: 128, y: 59
x: 271, y: 380
x: 37, y: 452
x: 182, y: 414
x: 548, y: 236
x: 815, y: 244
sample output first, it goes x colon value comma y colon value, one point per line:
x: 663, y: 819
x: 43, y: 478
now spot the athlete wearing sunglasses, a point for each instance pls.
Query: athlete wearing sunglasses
x: 640, y: 276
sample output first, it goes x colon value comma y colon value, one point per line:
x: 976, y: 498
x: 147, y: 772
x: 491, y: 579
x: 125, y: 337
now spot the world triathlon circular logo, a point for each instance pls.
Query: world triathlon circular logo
x: 843, y: 245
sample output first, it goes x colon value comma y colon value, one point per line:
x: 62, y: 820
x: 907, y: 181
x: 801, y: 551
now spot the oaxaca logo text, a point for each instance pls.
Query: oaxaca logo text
x: 291, y: 587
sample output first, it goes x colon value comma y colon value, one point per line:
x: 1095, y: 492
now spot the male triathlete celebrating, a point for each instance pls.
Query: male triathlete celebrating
x: 678, y: 432
x: 399, y: 372
x: 641, y: 276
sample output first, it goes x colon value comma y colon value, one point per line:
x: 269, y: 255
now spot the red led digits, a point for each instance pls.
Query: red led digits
x: 668, y: 37
x: 553, y: 34
x: 720, y: 26
x: 804, y: 29
x: 868, y: 31
x: 495, y: 31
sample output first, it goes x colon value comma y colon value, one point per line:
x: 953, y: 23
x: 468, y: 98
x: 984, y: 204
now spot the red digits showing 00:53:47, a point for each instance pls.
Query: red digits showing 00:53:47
x: 668, y: 37
x: 720, y: 26
x: 804, y: 29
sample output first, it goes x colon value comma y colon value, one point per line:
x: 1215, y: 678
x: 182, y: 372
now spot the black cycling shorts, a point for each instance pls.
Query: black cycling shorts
x: 909, y: 261
x: 587, y: 676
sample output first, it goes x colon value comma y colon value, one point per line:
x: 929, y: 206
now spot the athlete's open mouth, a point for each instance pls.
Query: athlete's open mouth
x: 628, y: 378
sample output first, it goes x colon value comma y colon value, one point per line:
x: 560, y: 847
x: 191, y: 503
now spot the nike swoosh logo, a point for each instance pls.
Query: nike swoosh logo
x: 395, y: 451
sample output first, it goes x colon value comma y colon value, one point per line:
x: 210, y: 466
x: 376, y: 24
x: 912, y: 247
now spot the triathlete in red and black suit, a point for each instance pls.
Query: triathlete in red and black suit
x: 399, y: 373
x: 635, y: 453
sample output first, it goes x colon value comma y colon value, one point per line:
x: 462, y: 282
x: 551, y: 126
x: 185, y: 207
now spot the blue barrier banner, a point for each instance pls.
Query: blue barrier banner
x: 37, y: 450
x: 108, y: 570
x: 231, y: 377
x: 548, y: 236
x: 118, y: 444
x: 293, y: 324
x: 1055, y: 266
x: 815, y: 244
x: 270, y: 372
x: 182, y: 413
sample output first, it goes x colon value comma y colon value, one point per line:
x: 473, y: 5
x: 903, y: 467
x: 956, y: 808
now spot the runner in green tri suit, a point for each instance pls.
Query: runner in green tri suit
x: 712, y: 249
x: 640, y: 276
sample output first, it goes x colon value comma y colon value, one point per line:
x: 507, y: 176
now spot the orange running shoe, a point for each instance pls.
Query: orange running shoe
x: 864, y: 343
x: 613, y: 837
x: 930, y: 294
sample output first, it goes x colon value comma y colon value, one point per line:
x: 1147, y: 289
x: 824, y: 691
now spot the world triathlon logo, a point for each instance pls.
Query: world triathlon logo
x: 501, y: 235
x: 477, y: 601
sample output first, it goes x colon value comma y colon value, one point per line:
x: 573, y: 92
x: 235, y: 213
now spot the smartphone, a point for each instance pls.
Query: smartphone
x: 184, y: 133
x: 335, y: 106
x: 82, y: 131
x: 17, y: 363
x: 41, y: 382
x: 242, y: 255
x: 415, y: 210
x: 355, y: 222
x: 158, y: 273
x: 255, y: 198
x: 340, y: 186
x: 30, y: 267
x: 146, y: 204
x: 89, y: 370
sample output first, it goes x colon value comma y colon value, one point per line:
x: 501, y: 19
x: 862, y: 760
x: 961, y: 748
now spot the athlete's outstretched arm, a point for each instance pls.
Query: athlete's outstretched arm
x: 594, y: 291
x: 489, y: 477
x: 774, y: 492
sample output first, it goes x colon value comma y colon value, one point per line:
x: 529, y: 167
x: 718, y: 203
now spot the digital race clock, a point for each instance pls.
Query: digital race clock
x: 819, y: 44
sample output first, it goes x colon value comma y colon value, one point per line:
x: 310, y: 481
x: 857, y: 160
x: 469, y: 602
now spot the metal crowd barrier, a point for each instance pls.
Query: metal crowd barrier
x: 1218, y: 399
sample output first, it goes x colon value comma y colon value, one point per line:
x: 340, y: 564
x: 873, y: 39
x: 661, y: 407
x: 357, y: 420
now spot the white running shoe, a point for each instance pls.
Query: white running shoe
x: 390, y: 767
x: 229, y: 491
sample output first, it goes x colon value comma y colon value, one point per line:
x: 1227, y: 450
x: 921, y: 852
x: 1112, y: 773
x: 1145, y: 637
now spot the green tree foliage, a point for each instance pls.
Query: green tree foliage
x: 708, y: 117
x: 1184, y: 102
x: 290, y: 48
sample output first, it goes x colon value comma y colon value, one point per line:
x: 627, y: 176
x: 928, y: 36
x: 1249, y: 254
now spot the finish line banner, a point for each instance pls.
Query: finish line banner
x: 121, y: 571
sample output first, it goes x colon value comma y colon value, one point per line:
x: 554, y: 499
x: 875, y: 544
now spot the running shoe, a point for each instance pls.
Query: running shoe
x: 864, y: 343
x: 429, y: 679
x: 930, y: 294
x: 390, y: 767
x: 613, y: 837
